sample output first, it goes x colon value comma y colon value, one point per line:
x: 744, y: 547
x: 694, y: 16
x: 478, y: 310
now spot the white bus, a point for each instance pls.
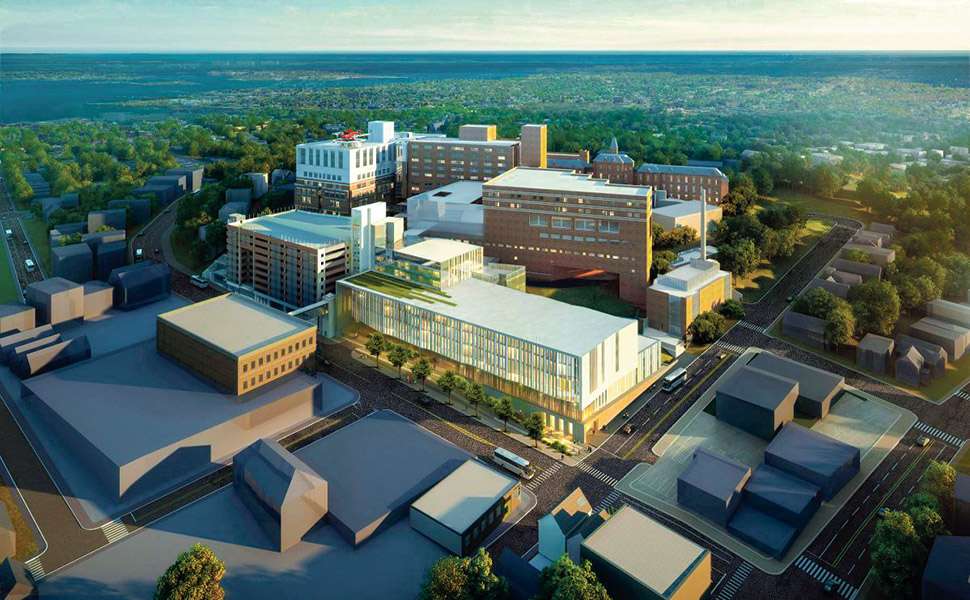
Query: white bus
x: 199, y: 282
x: 674, y: 379
x: 513, y: 462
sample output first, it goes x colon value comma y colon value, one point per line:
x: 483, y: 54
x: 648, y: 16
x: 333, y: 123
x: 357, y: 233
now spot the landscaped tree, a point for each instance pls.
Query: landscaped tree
x: 196, y: 575
x: 449, y: 382
x: 839, y: 324
x: 707, y: 327
x: 505, y: 411
x: 731, y: 309
x: 421, y: 369
x: 468, y: 578
x: 376, y: 345
x: 535, y: 425
x: 938, y: 481
x: 740, y: 258
x: 475, y: 394
x: 875, y: 305
x: 928, y: 525
x: 896, y: 555
x: 398, y: 356
x: 565, y: 580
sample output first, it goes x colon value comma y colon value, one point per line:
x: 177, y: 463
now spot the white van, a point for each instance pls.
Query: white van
x: 29, y: 265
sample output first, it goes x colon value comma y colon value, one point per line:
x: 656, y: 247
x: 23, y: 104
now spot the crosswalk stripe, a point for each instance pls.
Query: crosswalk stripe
x: 942, y: 435
x: 820, y: 573
x: 735, y: 582
x: 114, y: 531
x: 36, y: 568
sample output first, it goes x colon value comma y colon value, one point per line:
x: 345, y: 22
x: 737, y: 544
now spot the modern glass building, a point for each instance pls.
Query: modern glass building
x: 577, y: 366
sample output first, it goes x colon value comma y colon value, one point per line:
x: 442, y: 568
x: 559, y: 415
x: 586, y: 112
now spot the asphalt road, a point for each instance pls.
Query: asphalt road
x: 840, y: 549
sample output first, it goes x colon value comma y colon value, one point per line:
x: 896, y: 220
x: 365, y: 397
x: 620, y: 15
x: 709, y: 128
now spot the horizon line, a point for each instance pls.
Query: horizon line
x: 483, y: 51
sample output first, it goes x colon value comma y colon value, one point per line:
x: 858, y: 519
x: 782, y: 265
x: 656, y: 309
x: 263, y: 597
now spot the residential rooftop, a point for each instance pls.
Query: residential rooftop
x: 563, y: 181
x: 556, y: 325
x: 458, y: 500
x: 621, y: 542
x: 233, y: 323
x: 301, y: 227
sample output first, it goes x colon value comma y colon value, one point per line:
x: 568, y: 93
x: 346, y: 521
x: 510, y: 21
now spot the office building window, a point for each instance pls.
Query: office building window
x: 561, y: 223
x: 585, y: 225
x: 609, y: 227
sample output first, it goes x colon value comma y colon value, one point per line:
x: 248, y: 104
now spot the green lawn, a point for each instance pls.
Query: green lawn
x: 399, y: 288
x: 8, y: 287
x: 26, y: 544
x: 839, y: 207
x: 590, y: 296
x: 754, y: 285
x: 38, y: 233
x: 956, y: 372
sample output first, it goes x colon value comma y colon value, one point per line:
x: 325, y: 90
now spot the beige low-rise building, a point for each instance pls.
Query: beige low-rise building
x: 676, y: 298
x: 236, y: 343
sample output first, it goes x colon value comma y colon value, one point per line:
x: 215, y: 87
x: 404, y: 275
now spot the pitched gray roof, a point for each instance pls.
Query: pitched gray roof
x: 681, y: 170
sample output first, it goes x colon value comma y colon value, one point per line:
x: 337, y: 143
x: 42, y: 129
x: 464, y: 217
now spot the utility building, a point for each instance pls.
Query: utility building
x: 463, y: 508
x: 756, y: 401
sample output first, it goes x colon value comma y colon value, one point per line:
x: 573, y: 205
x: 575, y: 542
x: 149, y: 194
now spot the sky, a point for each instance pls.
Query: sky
x: 507, y: 25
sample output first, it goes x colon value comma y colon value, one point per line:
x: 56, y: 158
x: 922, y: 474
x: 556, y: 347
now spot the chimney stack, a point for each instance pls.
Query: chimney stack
x: 703, y: 224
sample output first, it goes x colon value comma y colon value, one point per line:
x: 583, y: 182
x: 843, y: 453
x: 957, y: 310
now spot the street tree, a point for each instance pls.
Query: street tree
x: 376, y: 345
x: 731, y: 309
x: 421, y: 370
x: 398, y: 356
x: 939, y: 481
x: 449, y: 382
x: 195, y: 575
x: 475, y: 394
x: 505, y: 411
x: 535, y: 426
x: 896, y: 555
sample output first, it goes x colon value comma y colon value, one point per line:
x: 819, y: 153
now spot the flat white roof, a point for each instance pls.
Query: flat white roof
x: 459, y: 192
x: 685, y: 280
x: 465, y: 495
x: 234, y: 323
x: 436, y: 249
x: 556, y: 325
x: 681, y: 208
x: 622, y: 539
x: 563, y: 180
x: 301, y: 227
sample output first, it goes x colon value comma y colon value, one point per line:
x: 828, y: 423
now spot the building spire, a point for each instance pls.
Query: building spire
x: 614, y: 147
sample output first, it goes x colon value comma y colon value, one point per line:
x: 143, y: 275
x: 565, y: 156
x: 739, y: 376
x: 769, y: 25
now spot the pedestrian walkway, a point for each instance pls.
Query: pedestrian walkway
x: 611, y: 501
x: 817, y: 571
x: 940, y: 435
x: 730, y: 347
x: 734, y: 583
x: 963, y: 395
x: 114, y: 531
x: 591, y: 470
x: 753, y: 327
x: 536, y: 481
x: 36, y: 568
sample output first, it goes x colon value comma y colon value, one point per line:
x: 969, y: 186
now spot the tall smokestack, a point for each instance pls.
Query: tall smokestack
x: 703, y: 224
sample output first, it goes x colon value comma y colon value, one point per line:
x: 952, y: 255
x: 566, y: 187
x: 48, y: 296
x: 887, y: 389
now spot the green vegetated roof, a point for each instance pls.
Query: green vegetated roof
x: 399, y: 288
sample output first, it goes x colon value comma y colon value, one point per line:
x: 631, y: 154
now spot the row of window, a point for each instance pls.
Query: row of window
x: 536, y: 220
x: 258, y: 362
